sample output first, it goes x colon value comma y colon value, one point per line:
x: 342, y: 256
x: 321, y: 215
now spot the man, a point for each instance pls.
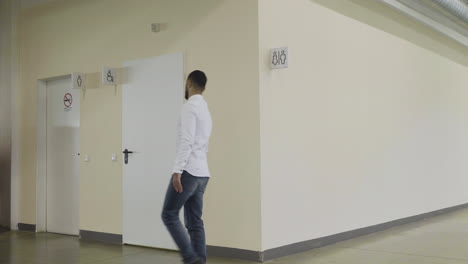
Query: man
x: 190, y: 174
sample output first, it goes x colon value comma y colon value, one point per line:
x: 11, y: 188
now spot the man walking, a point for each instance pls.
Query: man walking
x: 190, y: 174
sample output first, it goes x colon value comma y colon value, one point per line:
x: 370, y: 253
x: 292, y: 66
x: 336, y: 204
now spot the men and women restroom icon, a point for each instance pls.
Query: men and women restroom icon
x: 279, y: 58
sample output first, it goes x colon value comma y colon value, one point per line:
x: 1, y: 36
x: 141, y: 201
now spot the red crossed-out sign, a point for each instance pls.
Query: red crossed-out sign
x: 68, y: 100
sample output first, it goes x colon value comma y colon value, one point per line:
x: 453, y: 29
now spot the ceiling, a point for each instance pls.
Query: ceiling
x: 435, y: 16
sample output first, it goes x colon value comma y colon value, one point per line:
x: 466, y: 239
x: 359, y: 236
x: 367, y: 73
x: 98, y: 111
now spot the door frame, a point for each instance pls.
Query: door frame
x: 41, y: 151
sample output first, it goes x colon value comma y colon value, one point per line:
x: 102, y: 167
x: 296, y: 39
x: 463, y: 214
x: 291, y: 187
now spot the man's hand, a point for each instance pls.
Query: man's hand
x: 177, y: 182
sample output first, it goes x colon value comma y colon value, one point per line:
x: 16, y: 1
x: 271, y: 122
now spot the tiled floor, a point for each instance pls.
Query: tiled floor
x: 440, y: 240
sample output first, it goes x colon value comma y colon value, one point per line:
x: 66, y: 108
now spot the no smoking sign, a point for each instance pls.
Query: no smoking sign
x: 68, y: 101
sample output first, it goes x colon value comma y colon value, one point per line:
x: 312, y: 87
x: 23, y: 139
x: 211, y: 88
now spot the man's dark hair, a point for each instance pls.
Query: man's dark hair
x: 199, y: 79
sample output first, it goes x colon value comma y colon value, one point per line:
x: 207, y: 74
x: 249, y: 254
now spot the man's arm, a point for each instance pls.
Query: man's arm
x: 186, y: 139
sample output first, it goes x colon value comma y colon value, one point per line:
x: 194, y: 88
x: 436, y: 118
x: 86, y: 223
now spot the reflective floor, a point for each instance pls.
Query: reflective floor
x: 440, y: 240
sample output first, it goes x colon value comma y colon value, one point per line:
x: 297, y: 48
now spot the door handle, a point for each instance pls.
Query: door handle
x: 126, y: 152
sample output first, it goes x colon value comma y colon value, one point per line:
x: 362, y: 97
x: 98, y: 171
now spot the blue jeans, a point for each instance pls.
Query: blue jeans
x: 192, y: 245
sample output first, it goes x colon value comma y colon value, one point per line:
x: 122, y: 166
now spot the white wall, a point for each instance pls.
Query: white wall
x: 365, y: 127
x: 217, y: 36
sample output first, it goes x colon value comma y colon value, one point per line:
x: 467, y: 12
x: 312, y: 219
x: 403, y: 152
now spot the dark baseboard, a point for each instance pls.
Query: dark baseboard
x: 279, y: 252
x: 26, y: 227
x: 295, y: 248
x: 233, y: 253
x: 102, y: 237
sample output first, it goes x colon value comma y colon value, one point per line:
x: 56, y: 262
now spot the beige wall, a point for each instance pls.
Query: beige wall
x: 369, y: 124
x: 218, y: 36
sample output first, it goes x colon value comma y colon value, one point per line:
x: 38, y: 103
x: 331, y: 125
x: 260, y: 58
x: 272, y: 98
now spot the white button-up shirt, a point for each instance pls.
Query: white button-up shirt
x: 194, y: 131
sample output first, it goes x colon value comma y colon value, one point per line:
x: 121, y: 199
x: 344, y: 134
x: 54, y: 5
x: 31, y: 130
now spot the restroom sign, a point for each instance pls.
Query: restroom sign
x: 79, y: 80
x: 109, y: 76
x: 68, y: 100
x: 279, y: 58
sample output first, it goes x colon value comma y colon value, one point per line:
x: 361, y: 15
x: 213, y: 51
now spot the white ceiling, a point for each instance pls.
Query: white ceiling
x: 433, y: 15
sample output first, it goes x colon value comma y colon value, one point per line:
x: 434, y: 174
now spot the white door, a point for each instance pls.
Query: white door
x: 153, y: 91
x: 63, y: 131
